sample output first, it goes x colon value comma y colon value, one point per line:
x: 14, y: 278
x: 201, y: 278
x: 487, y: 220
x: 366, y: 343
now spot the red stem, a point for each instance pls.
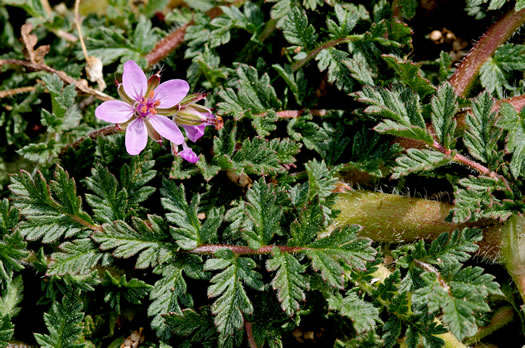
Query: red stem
x: 249, y: 334
x: 467, y: 71
x: 244, y: 250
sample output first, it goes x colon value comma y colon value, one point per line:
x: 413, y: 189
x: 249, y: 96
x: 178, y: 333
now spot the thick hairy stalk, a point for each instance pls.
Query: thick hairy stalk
x: 393, y: 218
x: 500, y: 32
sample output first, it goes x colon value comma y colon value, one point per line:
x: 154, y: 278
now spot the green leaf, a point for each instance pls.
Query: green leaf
x: 135, y: 176
x: 416, y: 160
x: 264, y: 211
x: 11, y: 297
x: 188, y: 234
x: 307, y: 226
x: 520, y: 5
x: 297, y: 31
x: 481, y: 135
x: 227, y: 285
x: 444, y: 107
x: 342, y: 245
x: 255, y: 95
x: 6, y: 331
x: 337, y: 66
x: 9, y: 217
x: 402, y: 109
x: 449, y: 249
x: 474, y: 199
x: 109, y: 202
x: 147, y: 239
x: 512, y: 122
x: 199, y: 327
x: 346, y: 21
x: 410, y: 74
x: 64, y: 324
x: 79, y: 256
x: 364, y: 315
x: 288, y: 281
x: 169, y: 292
x: 497, y: 70
x: 116, y: 288
x: 50, y: 210
x: 465, y: 295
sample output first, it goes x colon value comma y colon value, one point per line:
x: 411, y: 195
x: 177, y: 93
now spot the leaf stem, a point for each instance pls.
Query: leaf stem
x: 325, y: 45
x: 467, y: 71
x: 249, y: 334
x: 244, y: 250
x: 62, y: 75
x: 501, y: 317
x: 109, y: 130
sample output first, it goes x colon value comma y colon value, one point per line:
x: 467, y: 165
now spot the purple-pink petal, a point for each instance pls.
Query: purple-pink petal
x: 114, y: 111
x: 171, y: 92
x: 136, y: 137
x: 189, y: 155
x: 194, y: 132
x: 166, y: 128
x: 134, y: 80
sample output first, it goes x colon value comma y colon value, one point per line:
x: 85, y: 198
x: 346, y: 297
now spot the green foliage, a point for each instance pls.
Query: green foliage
x: 341, y: 246
x: 118, y: 288
x: 512, y: 122
x: 245, y: 247
x: 12, y: 297
x: 402, y: 110
x: 63, y: 323
x: 496, y: 72
x: 288, y: 281
x: 227, y: 285
x: 482, y: 135
x: 146, y: 238
x: 51, y: 209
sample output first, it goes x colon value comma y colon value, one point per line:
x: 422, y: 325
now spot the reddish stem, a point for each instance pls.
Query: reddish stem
x: 467, y: 71
x: 244, y: 250
x: 249, y: 334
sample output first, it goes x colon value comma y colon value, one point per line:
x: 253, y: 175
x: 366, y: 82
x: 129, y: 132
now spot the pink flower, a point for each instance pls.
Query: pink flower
x: 144, y: 103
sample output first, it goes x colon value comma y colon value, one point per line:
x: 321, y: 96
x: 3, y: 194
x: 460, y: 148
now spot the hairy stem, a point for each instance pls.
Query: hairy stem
x: 244, y: 250
x: 62, y: 75
x: 393, y: 218
x: 325, y: 45
x: 467, y: 71
x: 501, y: 317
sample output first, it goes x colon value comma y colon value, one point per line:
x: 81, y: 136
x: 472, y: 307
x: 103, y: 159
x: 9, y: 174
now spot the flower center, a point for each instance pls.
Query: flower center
x: 146, y: 106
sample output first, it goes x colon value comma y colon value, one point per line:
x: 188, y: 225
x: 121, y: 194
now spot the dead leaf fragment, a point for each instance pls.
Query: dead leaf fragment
x: 29, y: 40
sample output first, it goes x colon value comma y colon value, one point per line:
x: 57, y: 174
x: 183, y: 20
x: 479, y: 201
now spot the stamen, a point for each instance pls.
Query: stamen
x: 143, y: 109
x: 219, y: 123
x: 157, y: 103
x: 153, y: 111
x: 151, y: 94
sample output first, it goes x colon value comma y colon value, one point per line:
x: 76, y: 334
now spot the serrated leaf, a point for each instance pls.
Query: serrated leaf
x: 64, y: 324
x: 264, y: 212
x: 346, y: 21
x: 444, y: 107
x: 169, y: 292
x: 512, y: 122
x: 481, y: 135
x: 307, y: 226
x: 416, y: 160
x: 336, y: 64
x: 50, y: 210
x: 135, y: 176
x: 288, y: 281
x: 79, y: 256
x: 189, y: 233
x: 255, y: 96
x: 297, y: 31
x: 342, y: 245
x: 11, y: 297
x: 227, y: 285
x: 497, y: 70
x: 364, y: 315
x: 401, y: 107
x: 198, y: 326
x: 410, y: 74
x: 147, y: 239
x: 116, y: 288
x: 109, y: 202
